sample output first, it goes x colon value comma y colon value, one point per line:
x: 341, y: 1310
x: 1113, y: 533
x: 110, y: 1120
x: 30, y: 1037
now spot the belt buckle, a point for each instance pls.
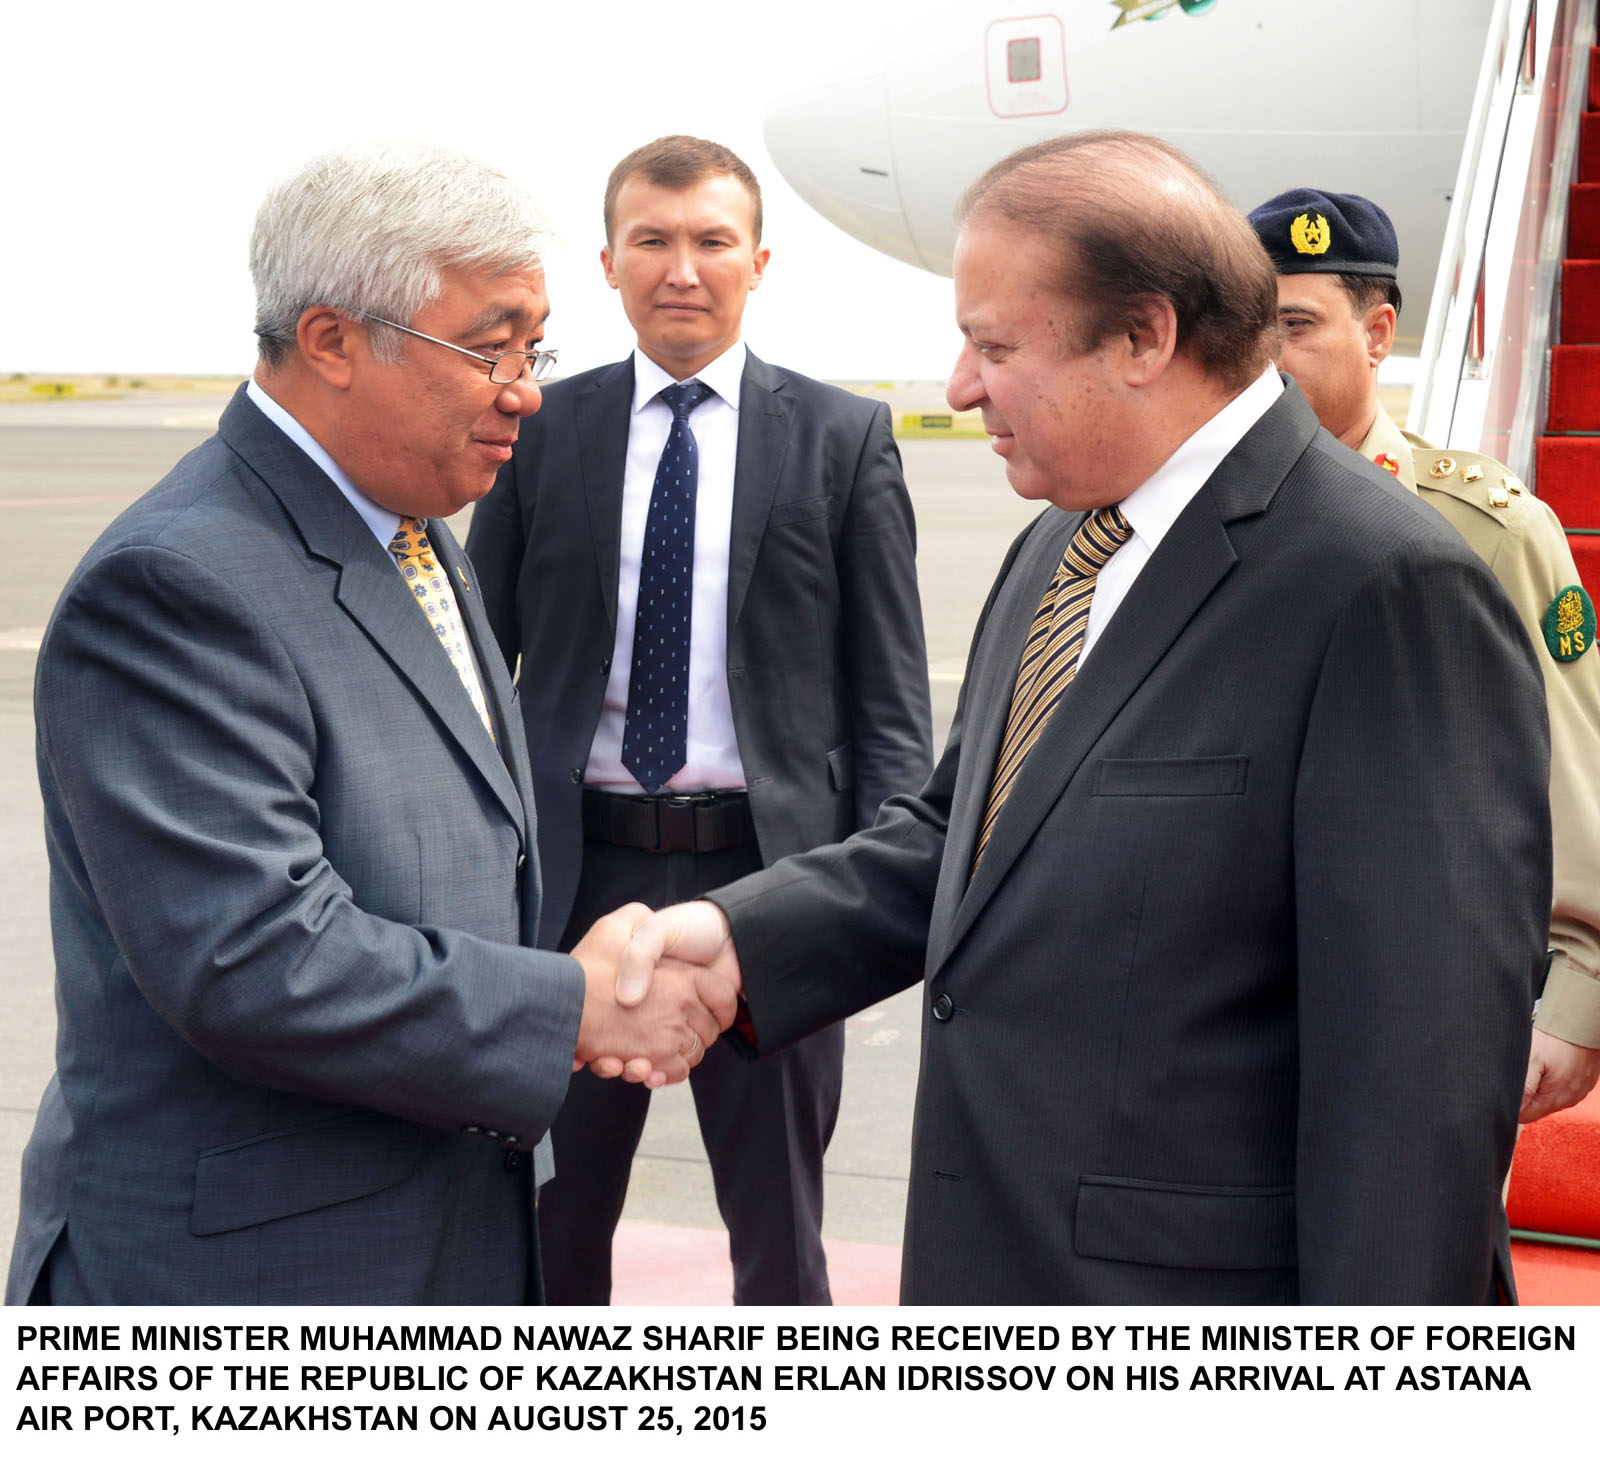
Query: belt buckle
x: 675, y: 823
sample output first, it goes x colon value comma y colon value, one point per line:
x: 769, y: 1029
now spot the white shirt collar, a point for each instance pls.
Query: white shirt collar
x: 1153, y: 507
x: 723, y: 376
x: 382, y: 522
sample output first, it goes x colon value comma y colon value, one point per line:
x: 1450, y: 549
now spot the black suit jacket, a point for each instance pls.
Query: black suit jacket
x: 827, y: 667
x: 1236, y: 1006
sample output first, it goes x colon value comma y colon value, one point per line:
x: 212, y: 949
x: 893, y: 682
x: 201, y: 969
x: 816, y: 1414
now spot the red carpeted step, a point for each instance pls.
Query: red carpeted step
x: 1569, y: 480
x: 1583, y: 222
x: 1580, y: 301
x: 1589, y: 148
x: 1575, y: 389
x: 1555, y: 1275
x: 1555, y: 1174
x: 1586, y: 556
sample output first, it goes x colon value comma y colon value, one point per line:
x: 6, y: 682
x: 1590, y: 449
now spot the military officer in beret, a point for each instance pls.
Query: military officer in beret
x: 1336, y: 256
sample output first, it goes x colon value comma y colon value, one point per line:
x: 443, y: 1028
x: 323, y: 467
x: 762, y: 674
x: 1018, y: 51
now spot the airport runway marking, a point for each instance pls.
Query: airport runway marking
x: 66, y: 499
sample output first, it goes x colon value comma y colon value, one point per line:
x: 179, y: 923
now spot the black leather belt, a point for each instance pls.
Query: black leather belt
x: 667, y: 823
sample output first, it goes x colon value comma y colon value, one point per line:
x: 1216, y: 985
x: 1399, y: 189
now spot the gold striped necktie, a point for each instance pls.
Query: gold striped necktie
x: 1050, y: 654
x: 431, y: 586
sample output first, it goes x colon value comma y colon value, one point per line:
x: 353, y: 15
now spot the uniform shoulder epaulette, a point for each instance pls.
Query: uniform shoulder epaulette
x: 1474, y: 478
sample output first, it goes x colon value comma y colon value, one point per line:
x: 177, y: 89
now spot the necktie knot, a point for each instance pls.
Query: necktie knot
x: 410, y: 542
x: 1097, y: 539
x: 684, y: 397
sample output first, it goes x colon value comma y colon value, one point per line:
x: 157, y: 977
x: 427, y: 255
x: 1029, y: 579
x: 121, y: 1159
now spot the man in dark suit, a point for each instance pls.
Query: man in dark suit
x: 1338, y: 299
x: 760, y: 688
x: 305, y: 1053
x: 1228, y: 906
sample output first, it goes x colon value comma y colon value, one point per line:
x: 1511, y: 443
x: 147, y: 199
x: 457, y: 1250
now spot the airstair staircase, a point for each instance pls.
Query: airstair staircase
x: 1567, y: 476
x: 1511, y: 365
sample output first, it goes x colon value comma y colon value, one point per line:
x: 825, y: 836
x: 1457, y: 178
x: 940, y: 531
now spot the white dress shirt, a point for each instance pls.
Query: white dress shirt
x: 713, y: 751
x: 1155, y: 505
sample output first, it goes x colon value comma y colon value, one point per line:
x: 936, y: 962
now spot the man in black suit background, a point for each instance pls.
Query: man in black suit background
x: 1228, y: 903
x: 758, y: 690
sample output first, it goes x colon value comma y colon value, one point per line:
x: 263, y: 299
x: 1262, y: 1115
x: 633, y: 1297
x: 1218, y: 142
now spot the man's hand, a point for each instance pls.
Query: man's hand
x: 696, y: 932
x: 1559, y: 1074
x: 693, y: 938
x: 663, y: 1033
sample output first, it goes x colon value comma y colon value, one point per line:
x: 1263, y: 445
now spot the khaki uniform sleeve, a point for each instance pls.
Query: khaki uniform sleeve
x: 1534, y: 564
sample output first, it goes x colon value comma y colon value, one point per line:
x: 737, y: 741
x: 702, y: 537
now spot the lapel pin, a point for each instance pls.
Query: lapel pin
x: 463, y: 574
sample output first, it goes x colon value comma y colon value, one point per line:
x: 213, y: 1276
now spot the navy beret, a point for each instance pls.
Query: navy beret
x: 1307, y: 232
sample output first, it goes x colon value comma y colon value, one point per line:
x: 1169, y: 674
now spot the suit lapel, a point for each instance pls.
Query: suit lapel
x: 459, y: 713
x: 369, y: 589
x: 1193, y: 557
x: 764, y: 427
x: 603, y: 413
x: 985, y: 703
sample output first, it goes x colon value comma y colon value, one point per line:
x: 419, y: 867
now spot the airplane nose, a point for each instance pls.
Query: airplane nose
x: 832, y: 144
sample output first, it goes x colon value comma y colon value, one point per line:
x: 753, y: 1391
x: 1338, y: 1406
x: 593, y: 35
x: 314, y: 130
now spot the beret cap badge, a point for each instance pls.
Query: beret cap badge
x: 1310, y: 235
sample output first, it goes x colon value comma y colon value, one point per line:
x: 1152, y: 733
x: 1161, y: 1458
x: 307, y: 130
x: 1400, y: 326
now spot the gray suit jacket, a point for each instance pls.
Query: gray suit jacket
x: 290, y: 875
x: 1236, y: 1007
x: 827, y: 665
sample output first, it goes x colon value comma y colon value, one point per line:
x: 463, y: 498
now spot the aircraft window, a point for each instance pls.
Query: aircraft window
x: 1022, y: 59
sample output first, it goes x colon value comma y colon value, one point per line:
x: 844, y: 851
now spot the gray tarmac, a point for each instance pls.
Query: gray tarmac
x: 67, y: 468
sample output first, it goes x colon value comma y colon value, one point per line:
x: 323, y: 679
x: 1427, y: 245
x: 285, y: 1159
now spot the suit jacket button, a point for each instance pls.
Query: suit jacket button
x: 943, y: 1008
x: 513, y: 1160
x: 522, y: 859
x: 605, y: 664
x: 575, y: 774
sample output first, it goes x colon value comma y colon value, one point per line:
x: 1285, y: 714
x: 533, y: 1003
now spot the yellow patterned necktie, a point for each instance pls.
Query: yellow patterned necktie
x: 1050, y: 654
x: 431, y: 586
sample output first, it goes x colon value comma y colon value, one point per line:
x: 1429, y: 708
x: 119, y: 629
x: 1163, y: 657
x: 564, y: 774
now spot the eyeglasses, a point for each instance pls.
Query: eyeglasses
x: 505, y: 367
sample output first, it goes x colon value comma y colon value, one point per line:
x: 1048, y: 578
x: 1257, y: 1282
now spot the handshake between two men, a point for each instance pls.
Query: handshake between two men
x: 661, y: 987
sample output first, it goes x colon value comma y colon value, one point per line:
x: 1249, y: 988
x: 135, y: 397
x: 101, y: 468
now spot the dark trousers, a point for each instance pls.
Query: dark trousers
x: 765, y: 1125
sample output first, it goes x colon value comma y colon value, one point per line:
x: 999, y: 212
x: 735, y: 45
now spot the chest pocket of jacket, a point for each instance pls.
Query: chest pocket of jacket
x: 1144, y: 778
x: 797, y: 509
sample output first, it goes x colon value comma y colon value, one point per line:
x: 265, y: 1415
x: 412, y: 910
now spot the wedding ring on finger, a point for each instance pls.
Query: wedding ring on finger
x: 694, y: 1048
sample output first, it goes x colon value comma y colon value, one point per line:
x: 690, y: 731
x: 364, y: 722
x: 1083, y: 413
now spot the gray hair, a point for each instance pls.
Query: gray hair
x: 367, y: 231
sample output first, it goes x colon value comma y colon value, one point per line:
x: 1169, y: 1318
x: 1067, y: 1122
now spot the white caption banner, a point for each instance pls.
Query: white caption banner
x: 171, y: 1386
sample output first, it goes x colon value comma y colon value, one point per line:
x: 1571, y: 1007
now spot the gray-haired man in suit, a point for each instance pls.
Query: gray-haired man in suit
x: 305, y: 1054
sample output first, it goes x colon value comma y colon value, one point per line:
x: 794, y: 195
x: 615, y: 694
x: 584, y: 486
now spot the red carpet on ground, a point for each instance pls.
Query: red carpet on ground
x: 1555, y: 1188
x: 653, y: 1263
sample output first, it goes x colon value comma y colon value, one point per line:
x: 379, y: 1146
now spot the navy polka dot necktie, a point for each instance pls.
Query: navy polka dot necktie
x: 655, y: 734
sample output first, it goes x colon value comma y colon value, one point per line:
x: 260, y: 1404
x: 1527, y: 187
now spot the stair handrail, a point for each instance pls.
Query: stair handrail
x: 1533, y: 392
x: 1452, y: 309
x: 1483, y: 375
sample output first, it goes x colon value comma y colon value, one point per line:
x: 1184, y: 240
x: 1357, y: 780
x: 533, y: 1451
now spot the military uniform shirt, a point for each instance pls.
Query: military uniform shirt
x: 1519, y: 537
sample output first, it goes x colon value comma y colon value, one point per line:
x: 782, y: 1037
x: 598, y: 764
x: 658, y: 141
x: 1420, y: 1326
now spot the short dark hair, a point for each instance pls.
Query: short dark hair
x: 1366, y: 291
x: 1122, y: 243
x: 679, y: 162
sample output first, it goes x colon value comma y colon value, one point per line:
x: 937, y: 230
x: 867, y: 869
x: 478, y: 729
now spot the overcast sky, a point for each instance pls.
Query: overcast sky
x: 140, y: 138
